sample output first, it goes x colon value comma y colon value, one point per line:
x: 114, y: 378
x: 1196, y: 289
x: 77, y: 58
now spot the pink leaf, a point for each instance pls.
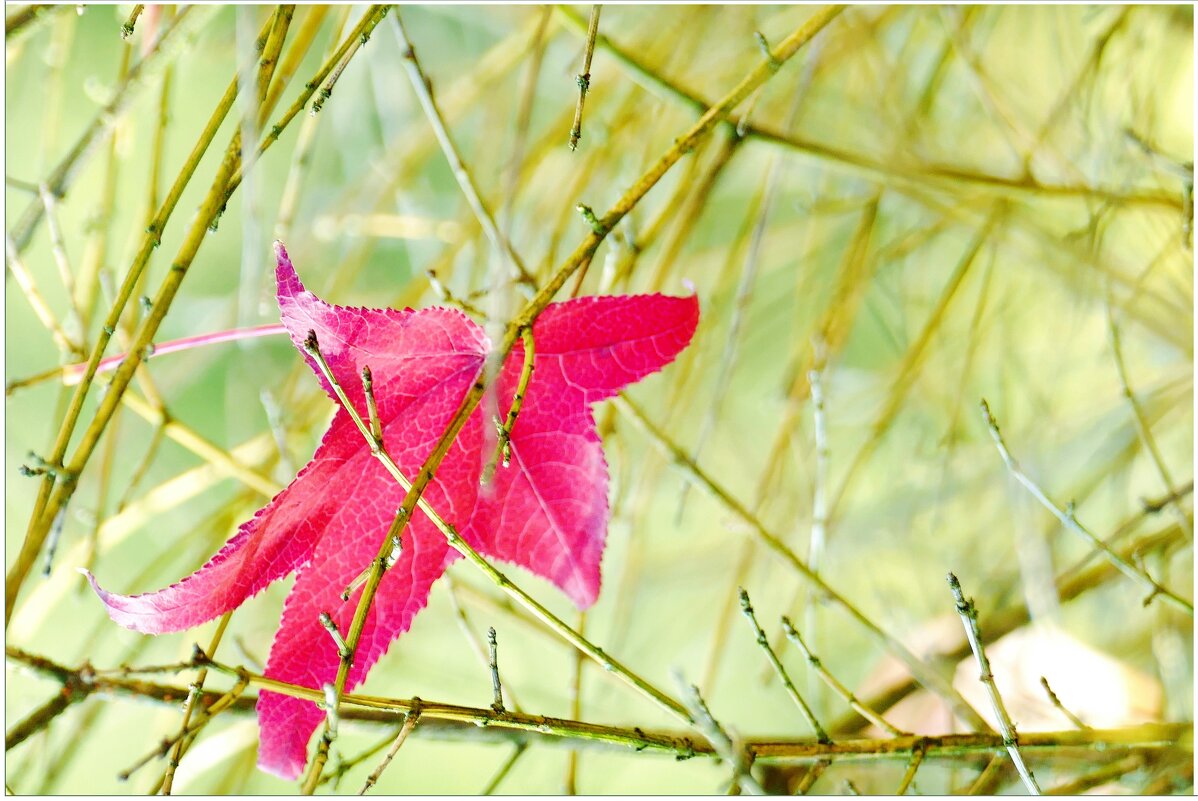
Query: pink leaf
x: 547, y: 511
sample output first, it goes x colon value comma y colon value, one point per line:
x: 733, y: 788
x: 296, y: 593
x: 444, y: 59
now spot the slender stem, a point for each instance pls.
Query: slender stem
x: 583, y: 79
x: 38, y: 719
x: 1104, y: 775
x: 1142, y: 428
x: 424, y: 93
x: 348, y: 48
x: 917, y: 756
x: 1069, y: 520
x: 301, y: 157
x: 720, y: 741
x: 837, y: 687
x: 493, y: 664
x: 168, y: 777
x: 212, y: 705
x: 505, y: 768
x: 168, y: 45
x: 473, y: 640
x: 58, y: 249
x: 409, y: 723
x: 969, y: 618
x: 73, y: 373
x: 1052, y: 697
x: 503, y: 451
x: 40, y: 308
x: 131, y: 21
x: 570, y: 785
x: 747, y: 610
x: 924, y: 674
x: 989, y: 777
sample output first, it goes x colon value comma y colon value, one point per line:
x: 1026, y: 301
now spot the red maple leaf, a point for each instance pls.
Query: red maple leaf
x: 547, y: 511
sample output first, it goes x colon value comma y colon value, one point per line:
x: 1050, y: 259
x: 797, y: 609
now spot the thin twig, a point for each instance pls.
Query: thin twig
x: 131, y: 21
x: 424, y: 93
x: 1052, y: 697
x: 720, y: 740
x: 570, y: 786
x: 917, y: 756
x: 409, y: 723
x: 520, y: 749
x: 1143, y: 429
x: 503, y: 449
x: 583, y: 79
x: 1070, y: 521
x: 168, y: 776
x: 40, y: 308
x: 818, y: 666
x: 922, y: 672
x: 969, y: 618
x: 493, y: 664
x: 481, y: 723
x: 475, y: 643
x: 747, y: 609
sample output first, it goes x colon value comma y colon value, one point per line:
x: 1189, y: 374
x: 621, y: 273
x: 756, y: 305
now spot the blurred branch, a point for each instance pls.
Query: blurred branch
x: 167, y: 46
x: 1069, y: 520
x: 859, y: 164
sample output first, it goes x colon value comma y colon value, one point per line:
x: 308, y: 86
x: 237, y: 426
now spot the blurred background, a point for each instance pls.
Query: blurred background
x: 925, y: 207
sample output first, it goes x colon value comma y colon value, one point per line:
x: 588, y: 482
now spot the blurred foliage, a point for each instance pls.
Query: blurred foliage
x: 938, y: 204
